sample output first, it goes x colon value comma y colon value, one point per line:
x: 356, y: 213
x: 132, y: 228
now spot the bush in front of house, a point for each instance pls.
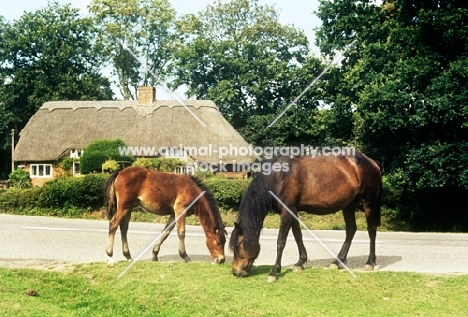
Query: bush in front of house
x: 20, y: 178
x: 82, y: 192
x: 160, y: 164
x: 99, y: 151
x: 17, y: 200
x: 87, y: 193
x: 228, y: 192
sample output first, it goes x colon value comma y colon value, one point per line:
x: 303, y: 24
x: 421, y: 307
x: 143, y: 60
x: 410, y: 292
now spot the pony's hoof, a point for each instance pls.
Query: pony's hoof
x: 187, y: 260
x: 297, y: 269
x: 110, y: 264
x: 368, y: 267
x: 334, y: 266
x: 272, y: 278
x: 130, y: 260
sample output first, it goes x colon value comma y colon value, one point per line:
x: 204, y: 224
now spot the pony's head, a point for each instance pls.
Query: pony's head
x: 244, y: 243
x: 245, y: 252
x: 215, y: 241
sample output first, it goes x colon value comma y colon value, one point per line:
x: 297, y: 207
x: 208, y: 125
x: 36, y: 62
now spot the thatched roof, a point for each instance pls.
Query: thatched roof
x: 59, y: 126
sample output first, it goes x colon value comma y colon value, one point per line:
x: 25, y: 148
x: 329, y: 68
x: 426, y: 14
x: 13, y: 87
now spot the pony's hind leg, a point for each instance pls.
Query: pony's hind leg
x: 123, y: 233
x: 351, y: 228
x: 113, y: 225
x: 372, y: 224
x: 167, y: 230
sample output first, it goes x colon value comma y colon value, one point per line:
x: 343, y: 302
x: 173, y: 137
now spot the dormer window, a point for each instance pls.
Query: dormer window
x: 76, y: 153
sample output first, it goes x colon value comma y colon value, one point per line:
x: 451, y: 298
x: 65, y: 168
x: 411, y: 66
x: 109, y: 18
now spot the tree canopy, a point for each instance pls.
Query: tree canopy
x: 138, y: 40
x: 407, y: 83
x: 46, y: 55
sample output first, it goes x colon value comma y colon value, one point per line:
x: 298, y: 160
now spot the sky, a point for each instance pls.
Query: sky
x: 296, y: 12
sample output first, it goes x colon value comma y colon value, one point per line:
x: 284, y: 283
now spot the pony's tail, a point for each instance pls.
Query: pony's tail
x: 110, y: 200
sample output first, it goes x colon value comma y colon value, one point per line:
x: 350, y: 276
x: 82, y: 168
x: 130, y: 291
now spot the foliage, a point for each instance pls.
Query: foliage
x: 228, y: 192
x: 45, y: 55
x: 239, y: 55
x: 110, y: 166
x: 20, y: 178
x: 16, y: 200
x: 406, y: 82
x: 66, y: 165
x: 180, y: 289
x: 134, y: 29
x: 85, y: 192
x: 161, y: 164
x: 99, y: 151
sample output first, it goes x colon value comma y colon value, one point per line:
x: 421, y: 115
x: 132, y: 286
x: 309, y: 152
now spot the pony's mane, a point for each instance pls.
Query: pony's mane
x: 212, y: 202
x: 255, y: 205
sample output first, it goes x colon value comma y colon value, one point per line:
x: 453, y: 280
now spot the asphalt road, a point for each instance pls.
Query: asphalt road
x: 46, y: 242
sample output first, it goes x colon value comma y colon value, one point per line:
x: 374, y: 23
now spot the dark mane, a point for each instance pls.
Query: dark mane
x: 255, y: 205
x: 213, y: 203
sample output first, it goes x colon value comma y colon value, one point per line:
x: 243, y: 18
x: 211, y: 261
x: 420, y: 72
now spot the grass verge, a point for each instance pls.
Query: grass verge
x: 202, y: 289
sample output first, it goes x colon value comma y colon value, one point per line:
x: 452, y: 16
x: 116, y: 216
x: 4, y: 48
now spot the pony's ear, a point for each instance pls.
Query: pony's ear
x: 238, y: 228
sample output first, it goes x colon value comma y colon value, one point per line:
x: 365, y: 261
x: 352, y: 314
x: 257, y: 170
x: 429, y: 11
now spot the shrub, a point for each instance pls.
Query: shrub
x: 100, y: 151
x: 16, y: 199
x: 228, y: 192
x: 84, y: 192
x: 161, y: 164
x: 110, y: 166
x: 20, y: 178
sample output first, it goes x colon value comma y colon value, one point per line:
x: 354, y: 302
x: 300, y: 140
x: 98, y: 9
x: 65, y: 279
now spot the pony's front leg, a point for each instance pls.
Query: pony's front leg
x: 181, y: 234
x: 167, y: 230
x: 296, y: 229
x: 280, y: 244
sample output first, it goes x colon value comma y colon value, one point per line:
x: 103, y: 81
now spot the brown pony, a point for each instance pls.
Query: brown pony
x: 162, y: 194
x: 321, y: 186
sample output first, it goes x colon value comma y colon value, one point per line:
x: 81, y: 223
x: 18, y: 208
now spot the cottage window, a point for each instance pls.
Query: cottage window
x: 174, y: 152
x: 41, y: 170
x: 76, y: 168
x: 76, y: 153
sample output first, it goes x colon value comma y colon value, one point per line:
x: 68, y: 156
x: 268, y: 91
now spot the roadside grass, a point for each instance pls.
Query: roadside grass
x: 203, y: 289
x: 329, y: 222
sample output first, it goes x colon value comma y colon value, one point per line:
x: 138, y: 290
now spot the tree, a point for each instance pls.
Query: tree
x: 239, y: 55
x: 406, y: 83
x: 46, y: 55
x: 136, y: 32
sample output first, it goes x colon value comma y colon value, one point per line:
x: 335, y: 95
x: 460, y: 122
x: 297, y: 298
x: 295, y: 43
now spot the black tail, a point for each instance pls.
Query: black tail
x: 109, y: 196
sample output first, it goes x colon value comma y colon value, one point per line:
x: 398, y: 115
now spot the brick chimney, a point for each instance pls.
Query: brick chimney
x: 146, y: 95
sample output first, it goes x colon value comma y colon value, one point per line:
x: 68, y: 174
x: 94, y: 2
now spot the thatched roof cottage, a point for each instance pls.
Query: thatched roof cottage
x: 192, y: 130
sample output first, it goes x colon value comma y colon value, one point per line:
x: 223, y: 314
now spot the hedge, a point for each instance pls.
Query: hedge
x: 87, y: 193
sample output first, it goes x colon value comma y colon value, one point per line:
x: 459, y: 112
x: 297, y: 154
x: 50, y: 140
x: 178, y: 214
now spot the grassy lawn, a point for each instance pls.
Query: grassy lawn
x: 203, y: 289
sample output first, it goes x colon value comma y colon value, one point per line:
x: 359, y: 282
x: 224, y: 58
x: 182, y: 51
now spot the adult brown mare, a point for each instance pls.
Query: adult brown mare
x: 162, y: 194
x: 321, y: 186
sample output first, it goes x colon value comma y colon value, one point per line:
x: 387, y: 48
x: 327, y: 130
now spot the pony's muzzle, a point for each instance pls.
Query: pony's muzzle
x: 241, y: 273
x: 220, y: 260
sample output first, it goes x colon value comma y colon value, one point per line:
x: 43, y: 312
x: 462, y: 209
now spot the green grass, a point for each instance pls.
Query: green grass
x: 202, y: 289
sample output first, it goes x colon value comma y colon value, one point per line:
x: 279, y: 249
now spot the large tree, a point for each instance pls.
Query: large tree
x: 45, y: 55
x: 407, y: 83
x: 138, y: 38
x: 239, y: 55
